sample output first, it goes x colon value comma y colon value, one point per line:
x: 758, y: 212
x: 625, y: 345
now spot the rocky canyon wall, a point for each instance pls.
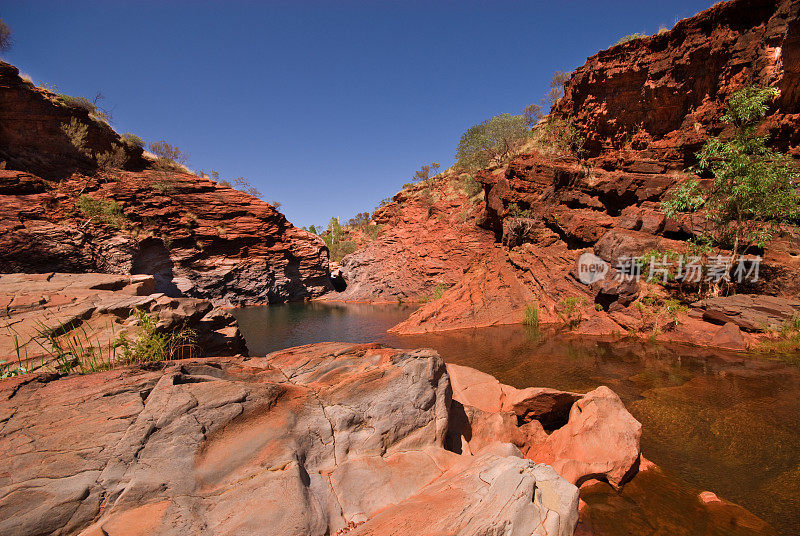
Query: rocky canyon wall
x: 645, y: 108
x: 200, y: 239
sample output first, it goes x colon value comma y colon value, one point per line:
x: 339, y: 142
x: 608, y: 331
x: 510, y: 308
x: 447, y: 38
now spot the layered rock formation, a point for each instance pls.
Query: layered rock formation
x: 665, y: 94
x: 31, y: 137
x: 645, y: 107
x: 311, y: 440
x: 428, y: 238
x: 197, y: 238
x: 96, y: 310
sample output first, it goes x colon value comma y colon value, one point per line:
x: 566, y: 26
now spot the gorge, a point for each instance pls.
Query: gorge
x: 178, y: 358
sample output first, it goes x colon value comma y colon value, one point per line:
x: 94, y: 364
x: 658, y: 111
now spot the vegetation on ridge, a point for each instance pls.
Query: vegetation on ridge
x: 631, y: 37
x: 492, y: 141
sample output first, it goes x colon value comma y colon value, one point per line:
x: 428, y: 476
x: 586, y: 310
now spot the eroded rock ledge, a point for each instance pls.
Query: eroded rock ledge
x: 98, y: 309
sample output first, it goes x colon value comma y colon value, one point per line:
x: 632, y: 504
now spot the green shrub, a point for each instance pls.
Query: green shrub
x: 437, y: 292
x: 361, y: 219
x: 493, y: 141
x: 673, y: 308
x: 569, y: 311
x: 755, y: 188
x: 150, y: 345
x: 470, y: 186
x: 656, y: 258
x: 630, y: 37
x: 557, y: 87
x: 559, y: 136
x: 82, y: 103
x: 113, y: 159
x: 333, y: 238
x: 88, y: 106
x: 163, y: 186
x: 132, y: 140
x: 76, y: 133
x: 515, y: 211
x: 346, y: 247
x: 531, y: 315
x: 372, y: 231
x: 106, y: 211
x: 169, y: 157
x: 532, y: 114
x: 76, y: 350
x: 424, y: 173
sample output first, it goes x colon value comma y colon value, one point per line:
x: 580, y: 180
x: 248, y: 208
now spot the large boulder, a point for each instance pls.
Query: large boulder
x: 600, y: 440
x: 590, y: 436
x: 307, y: 441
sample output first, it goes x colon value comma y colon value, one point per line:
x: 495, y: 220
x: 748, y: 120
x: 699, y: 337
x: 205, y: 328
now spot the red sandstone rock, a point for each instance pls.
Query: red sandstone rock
x: 608, y: 445
x: 31, y: 138
x: 195, y: 237
x: 593, y: 435
x: 307, y: 441
x: 750, y: 312
x: 646, y: 106
x: 669, y: 89
x: 428, y: 239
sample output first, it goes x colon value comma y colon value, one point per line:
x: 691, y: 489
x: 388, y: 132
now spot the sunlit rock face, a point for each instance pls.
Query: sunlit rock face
x: 664, y: 94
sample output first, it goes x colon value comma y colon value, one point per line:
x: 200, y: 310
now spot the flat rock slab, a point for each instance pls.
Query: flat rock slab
x: 750, y: 312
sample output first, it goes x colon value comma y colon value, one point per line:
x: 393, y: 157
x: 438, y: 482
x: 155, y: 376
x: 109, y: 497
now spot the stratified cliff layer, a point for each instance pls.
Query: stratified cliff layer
x: 58, y: 213
x: 663, y: 95
x: 428, y: 237
x: 31, y: 137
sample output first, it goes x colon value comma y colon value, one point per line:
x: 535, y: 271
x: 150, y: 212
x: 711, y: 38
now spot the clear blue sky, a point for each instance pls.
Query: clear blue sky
x: 326, y: 106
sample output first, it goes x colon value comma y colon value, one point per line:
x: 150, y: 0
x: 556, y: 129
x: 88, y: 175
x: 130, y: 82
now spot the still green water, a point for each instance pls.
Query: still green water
x: 720, y: 421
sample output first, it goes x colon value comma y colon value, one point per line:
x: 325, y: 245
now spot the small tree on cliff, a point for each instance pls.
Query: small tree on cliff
x: 754, y: 189
x: 492, y: 142
x: 6, y: 39
x: 168, y: 157
x: 557, y: 87
x: 426, y: 172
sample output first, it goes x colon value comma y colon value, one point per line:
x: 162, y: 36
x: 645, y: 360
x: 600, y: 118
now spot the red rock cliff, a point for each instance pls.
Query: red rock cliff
x: 645, y: 107
x: 666, y: 92
x: 199, y: 239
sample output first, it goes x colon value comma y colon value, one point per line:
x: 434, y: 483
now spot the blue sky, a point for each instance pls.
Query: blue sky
x: 325, y: 106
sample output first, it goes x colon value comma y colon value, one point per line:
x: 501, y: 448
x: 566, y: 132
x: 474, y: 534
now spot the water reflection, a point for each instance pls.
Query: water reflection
x: 275, y: 327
